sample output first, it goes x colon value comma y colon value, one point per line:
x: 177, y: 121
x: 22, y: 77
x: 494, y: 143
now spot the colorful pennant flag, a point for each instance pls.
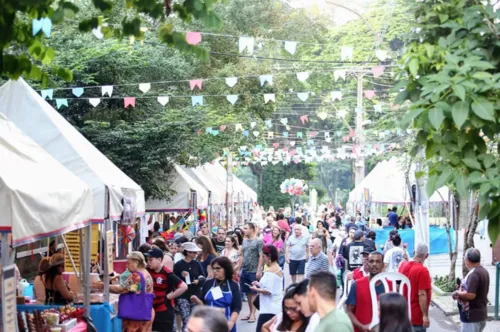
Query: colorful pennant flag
x: 303, y: 96
x: 107, y: 89
x: 299, y: 134
x: 197, y: 100
x: 256, y: 133
x: 61, y: 102
x: 291, y: 47
x: 269, y: 97
x: 77, y: 91
x: 222, y: 128
x: 336, y: 95
x: 238, y: 126
x: 94, y: 101
x: 193, y: 38
x: 369, y: 94
x: 163, y: 100
x: 245, y: 133
x: 377, y: 108
x: 302, y: 76
x: 381, y: 55
x: 285, y: 134
x: 145, y: 87
x: 270, y: 134
x: 266, y: 78
x: 253, y: 124
x: 44, y: 24
x: 231, y: 81
x: 322, y: 115
x: 304, y: 119
x: 268, y: 123
x: 247, y: 43
x: 196, y: 83
x: 232, y: 99
x: 378, y: 71
x: 284, y: 121
x: 47, y: 93
x: 339, y: 74
x: 129, y: 101
x: 346, y: 53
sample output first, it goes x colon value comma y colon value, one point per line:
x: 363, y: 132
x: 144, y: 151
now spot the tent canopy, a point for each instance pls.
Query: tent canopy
x: 238, y: 186
x: 210, y: 183
x: 387, y: 185
x: 39, y: 197
x: 43, y: 124
x: 183, y: 184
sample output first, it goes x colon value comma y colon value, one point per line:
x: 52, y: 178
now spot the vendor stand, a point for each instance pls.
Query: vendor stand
x: 38, y: 198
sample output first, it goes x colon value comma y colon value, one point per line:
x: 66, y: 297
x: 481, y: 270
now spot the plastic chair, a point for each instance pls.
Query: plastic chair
x: 345, y: 291
x: 392, y: 279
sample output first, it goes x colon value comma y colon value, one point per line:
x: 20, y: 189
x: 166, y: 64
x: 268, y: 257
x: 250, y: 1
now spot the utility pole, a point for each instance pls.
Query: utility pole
x: 359, y: 164
x: 229, y: 190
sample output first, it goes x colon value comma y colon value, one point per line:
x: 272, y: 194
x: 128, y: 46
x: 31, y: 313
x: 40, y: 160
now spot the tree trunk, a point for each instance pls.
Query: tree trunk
x: 452, y: 221
x: 470, y: 230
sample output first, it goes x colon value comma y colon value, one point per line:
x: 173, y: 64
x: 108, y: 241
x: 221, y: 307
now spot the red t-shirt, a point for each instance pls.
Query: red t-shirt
x: 420, y: 279
x: 164, y: 282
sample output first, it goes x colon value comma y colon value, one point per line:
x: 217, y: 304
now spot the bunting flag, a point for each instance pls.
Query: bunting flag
x: 269, y: 97
x: 266, y: 78
x: 292, y: 143
x: 303, y: 96
x: 198, y: 132
x: 208, y: 130
x: 197, y: 100
x: 94, y: 101
x: 341, y: 114
x: 268, y: 123
x: 256, y: 133
x: 285, y: 134
x: 304, y: 119
x: 299, y: 134
x: 313, y: 134
x: 270, y: 134
x: 336, y: 95
x: 196, y: 83
x: 322, y: 115
x: 327, y: 134
x: 61, y: 102
x: 47, y: 93
x: 238, y: 126
x: 44, y: 24
x: 78, y: 92
x: 284, y: 121
x: 378, y: 71
x: 339, y: 74
x: 98, y: 33
x: 377, y: 108
x: 358, y: 110
x: 231, y: 81
x: 129, y: 101
x: 222, y: 128
x: 346, y: 53
x: 253, y: 124
x: 303, y: 76
x: 245, y: 133
x: 291, y: 47
x: 369, y: 94
x: 247, y: 43
x: 107, y: 90
x: 232, y: 99
x: 328, y: 139
x: 145, y: 87
x: 163, y: 100
x: 310, y: 142
x: 381, y: 55
x: 193, y: 38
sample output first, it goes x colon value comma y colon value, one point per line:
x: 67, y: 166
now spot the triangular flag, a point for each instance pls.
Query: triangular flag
x: 304, y: 119
x: 255, y: 133
x: 377, y: 108
x: 266, y: 78
x: 270, y: 134
x: 245, y: 133
x: 232, y: 99
x: 341, y: 114
x: 238, y: 126
x: 303, y: 96
x: 145, y: 87
x: 381, y: 55
x: 299, y: 134
x: 196, y: 83
x: 98, y: 33
x: 269, y: 97
x: 310, y: 142
x: 94, y: 101
x: 339, y: 133
x: 339, y: 74
x: 107, y: 89
x: 47, y: 93
x: 378, y: 71
x: 313, y: 134
x: 193, y: 38
x: 327, y: 134
x: 61, y: 102
x: 77, y: 91
x: 291, y: 47
x: 197, y: 100
x: 285, y: 134
x: 369, y: 94
x: 246, y: 43
x: 292, y: 143
x: 322, y: 115
x: 284, y: 121
x: 253, y: 124
x: 163, y: 100
x: 208, y: 130
x: 44, y: 24
x: 346, y: 53
x: 336, y: 95
x: 198, y: 132
x: 231, y: 81
x: 358, y: 110
x: 129, y: 101
x: 215, y: 132
x: 276, y: 145
x: 303, y: 76
x: 268, y: 123
x: 222, y: 127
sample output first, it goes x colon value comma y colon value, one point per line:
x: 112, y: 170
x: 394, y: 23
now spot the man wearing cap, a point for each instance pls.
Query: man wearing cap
x: 352, y: 252
x: 166, y: 286
x: 362, y: 271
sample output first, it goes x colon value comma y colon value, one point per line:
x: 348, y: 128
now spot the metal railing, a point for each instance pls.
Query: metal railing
x: 497, y: 290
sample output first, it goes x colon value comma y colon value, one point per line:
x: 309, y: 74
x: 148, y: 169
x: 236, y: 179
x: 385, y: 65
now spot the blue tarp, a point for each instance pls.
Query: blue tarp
x: 437, y: 237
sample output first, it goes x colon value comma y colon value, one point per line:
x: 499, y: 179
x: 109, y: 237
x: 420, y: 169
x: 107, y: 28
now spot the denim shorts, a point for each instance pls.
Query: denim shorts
x: 247, y: 278
x: 297, y: 267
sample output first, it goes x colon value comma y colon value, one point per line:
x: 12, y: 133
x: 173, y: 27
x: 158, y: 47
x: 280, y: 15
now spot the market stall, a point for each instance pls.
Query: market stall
x: 39, y: 197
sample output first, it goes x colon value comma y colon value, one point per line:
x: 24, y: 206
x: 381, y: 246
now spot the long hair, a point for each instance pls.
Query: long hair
x: 394, y: 313
x: 234, y: 241
x: 324, y: 243
x: 51, y: 274
x: 286, y: 322
x: 274, y: 239
x: 206, y: 246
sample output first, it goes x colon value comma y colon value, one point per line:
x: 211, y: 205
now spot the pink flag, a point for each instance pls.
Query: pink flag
x: 376, y: 146
x: 304, y: 119
x: 378, y: 71
x: 285, y: 149
x: 198, y: 132
x: 222, y: 128
x: 352, y: 133
x: 369, y: 94
x: 193, y: 38
x: 345, y: 138
x: 276, y: 145
x: 129, y: 101
x: 196, y: 83
x: 313, y: 134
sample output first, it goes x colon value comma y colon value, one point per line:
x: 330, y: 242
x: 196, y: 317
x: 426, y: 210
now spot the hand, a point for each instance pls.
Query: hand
x: 454, y: 295
x: 255, y: 289
x: 427, y: 322
x: 230, y: 325
x: 185, y: 274
x: 365, y: 328
x: 256, y: 284
x: 195, y: 299
x: 349, y: 276
x: 195, y: 282
x: 288, y: 260
x: 259, y: 275
x: 267, y: 326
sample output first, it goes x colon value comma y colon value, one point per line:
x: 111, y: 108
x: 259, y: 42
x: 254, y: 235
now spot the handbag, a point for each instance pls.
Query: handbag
x: 133, y: 306
x: 256, y: 302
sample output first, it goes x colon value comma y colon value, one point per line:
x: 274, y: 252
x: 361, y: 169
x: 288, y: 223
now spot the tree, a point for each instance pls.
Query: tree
x: 450, y: 77
x: 24, y: 51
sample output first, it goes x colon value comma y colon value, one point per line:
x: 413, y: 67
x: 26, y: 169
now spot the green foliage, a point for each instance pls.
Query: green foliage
x: 451, y: 66
x: 25, y: 54
x: 445, y: 284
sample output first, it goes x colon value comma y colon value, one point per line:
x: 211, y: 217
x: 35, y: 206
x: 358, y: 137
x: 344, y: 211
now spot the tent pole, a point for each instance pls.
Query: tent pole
x: 104, y: 251
x: 86, y: 268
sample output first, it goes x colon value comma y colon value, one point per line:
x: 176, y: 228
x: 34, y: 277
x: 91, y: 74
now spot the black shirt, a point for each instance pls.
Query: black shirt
x: 225, y: 286
x: 195, y: 271
x: 218, y: 246
x: 353, y: 256
x: 369, y: 245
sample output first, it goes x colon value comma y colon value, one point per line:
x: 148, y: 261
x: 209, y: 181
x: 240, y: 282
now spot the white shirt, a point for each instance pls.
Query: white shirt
x: 313, y: 322
x: 393, y: 257
x: 178, y: 257
x: 271, y: 304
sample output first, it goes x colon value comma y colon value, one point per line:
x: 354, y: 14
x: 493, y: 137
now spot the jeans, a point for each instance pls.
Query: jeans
x: 473, y: 327
x: 418, y: 328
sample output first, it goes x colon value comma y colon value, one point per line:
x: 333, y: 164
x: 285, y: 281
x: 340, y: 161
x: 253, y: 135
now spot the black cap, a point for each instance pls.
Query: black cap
x: 155, y: 253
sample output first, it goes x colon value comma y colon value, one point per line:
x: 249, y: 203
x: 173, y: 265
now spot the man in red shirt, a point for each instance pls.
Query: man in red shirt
x: 167, y: 286
x: 420, y: 281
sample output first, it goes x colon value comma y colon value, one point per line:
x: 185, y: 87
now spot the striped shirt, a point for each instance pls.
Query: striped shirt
x: 318, y: 263
x: 164, y: 282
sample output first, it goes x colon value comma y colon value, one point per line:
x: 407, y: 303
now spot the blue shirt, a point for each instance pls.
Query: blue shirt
x: 393, y: 218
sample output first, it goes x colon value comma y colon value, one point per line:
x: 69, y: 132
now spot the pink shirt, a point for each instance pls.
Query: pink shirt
x: 268, y: 239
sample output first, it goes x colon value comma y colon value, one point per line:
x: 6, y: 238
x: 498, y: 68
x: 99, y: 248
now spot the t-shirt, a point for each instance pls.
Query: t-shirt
x: 316, y: 264
x: 335, y: 318
x: 266, y: 230
x: 195, y: 271
x: 393, y: 218
x: 164, y: 282
x: 393, y: 258
x: 297, y: 247
x: 218, y: 246
x: 420, y: 279
x: 206, y: 263
x: 349, y: 226
x: 351, y: 298
x: 226, y: 286
x: 251, y: 252
x: 477, y: 282
x: 352, y: 253
x: 369, y: 245
x: 268, y: 240
x: 313, y: 323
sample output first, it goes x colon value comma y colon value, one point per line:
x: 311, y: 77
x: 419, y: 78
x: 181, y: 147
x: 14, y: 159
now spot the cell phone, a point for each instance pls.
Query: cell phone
x: 248, y: 285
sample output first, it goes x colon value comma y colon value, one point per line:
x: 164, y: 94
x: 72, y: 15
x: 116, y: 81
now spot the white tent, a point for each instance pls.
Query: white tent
x: 39, y: 197
x: 184, y: 185
x: 238, y: 186
x: 210, y: 183
x: 42, y: 123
